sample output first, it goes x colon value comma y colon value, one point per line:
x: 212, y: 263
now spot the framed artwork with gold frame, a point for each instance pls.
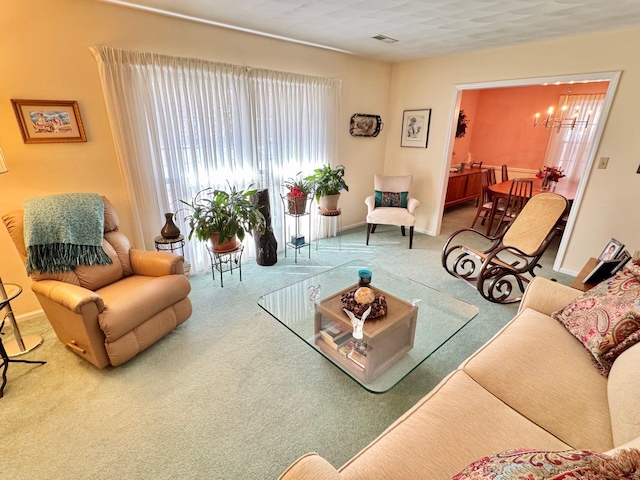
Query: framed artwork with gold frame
x: 49, y: 121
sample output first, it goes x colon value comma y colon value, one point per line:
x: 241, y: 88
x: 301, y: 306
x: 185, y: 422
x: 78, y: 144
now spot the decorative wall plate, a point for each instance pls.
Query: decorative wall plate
x: 365, y: 125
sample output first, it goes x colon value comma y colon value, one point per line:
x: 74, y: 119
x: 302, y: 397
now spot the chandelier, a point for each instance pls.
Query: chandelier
x: 564, y: 119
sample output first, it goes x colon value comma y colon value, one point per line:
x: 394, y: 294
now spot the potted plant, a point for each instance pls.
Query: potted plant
x: 327, y: 183
x: 299, y: 190
x: 223, y: 216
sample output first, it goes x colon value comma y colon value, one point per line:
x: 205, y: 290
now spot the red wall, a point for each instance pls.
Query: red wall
x: 500, y: 129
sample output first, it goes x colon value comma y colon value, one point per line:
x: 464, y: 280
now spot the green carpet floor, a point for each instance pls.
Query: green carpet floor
x: 230, y: 394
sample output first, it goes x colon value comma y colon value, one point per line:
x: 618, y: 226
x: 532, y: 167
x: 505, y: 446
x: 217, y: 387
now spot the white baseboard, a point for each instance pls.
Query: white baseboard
x: 29, y: 316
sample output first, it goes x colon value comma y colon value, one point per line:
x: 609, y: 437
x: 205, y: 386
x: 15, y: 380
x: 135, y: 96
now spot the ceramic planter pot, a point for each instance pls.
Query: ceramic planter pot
x: 226, y: 246
x: 329, y: 202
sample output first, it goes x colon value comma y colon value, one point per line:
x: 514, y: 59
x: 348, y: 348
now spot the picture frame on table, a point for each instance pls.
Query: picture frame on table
x: 611, y: 250
x: 49, y: 121
x: 415, y: 128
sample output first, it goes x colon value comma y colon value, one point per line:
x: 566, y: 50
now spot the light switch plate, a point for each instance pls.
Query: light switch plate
x: 604, y: 161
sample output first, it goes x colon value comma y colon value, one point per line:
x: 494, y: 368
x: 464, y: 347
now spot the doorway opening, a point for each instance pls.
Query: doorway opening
x: 505, y: 132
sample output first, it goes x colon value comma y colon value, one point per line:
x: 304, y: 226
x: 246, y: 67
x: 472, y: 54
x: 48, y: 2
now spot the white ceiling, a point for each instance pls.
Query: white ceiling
x: 424, y: 28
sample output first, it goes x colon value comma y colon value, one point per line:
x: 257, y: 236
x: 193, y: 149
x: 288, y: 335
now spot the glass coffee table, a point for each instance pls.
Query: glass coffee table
x: 417, y: 321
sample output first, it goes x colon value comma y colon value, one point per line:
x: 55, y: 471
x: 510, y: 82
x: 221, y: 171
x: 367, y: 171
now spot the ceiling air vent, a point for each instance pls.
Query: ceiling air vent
x: 385, y: 39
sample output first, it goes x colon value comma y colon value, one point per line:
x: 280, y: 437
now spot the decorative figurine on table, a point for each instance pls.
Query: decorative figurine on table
x: 357, y: 323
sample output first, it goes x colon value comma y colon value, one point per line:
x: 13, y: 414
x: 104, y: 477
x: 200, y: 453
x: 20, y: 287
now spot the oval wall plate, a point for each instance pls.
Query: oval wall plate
x: 365, y: 125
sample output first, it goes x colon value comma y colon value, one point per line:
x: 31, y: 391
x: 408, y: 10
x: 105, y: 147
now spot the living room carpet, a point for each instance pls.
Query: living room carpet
x: 230, y: 394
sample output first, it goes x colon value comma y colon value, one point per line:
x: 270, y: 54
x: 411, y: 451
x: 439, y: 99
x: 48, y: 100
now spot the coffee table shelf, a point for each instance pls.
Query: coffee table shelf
x: 386, y: 339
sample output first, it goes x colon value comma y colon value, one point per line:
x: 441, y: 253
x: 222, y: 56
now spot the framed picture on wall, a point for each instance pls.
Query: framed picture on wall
x: 415, y: 128
x: 49, y: 121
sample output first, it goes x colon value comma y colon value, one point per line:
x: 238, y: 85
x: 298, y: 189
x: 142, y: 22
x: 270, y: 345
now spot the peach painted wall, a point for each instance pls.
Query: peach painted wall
x: 503, y: 131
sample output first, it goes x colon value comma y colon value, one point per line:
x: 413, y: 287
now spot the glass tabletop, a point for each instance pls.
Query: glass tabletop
x: 417, y: 320
x: 8, y: 291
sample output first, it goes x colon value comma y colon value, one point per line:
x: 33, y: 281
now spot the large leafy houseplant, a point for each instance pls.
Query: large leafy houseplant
x: 328, y: 181
x: 230, y: 213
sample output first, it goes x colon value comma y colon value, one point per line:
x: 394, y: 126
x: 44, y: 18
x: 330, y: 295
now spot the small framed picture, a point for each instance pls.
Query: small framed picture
x: 49, y: 121
x: 415, y: 128
x: 611, y: 250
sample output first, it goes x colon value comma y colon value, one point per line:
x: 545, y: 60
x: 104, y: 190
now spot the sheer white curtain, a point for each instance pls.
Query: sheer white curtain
x: 568, y: 148
x: 182, y: 124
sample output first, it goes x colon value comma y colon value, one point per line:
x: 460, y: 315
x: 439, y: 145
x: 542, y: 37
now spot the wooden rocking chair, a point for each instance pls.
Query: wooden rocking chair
x: 494, y: 264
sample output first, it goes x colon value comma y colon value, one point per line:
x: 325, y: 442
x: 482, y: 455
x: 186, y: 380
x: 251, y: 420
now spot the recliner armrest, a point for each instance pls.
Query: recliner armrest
x: 156, y: 264
x: 71, y: 297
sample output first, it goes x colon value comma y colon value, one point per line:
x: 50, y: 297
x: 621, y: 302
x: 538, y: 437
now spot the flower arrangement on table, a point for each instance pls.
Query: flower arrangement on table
x: 299, y: 190
x: 550, y: 174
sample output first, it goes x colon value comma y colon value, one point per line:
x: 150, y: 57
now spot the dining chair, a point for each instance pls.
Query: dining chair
x: 505, y: 173
x: 519, y: 194
x: 492, y: 176
x: 485, y: 205
x: 501, y: 266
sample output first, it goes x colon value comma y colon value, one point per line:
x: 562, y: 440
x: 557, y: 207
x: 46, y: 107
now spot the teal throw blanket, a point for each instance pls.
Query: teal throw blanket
x: 64, y: 231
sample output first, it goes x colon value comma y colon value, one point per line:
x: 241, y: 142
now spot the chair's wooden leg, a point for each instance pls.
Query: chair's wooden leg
x: 402, y: 230
x: 373, y: 227
x: 410, y: 238
x: 368, y: 232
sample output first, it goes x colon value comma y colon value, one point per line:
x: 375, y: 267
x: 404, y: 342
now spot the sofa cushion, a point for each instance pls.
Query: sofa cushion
x: 537, y: 368
x: 455, y: 424
x: 529, y: 464
x: 606, y: 319
x: 624, y: 392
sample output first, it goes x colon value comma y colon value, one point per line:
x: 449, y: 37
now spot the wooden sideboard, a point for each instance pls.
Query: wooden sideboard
x: 463, y: 186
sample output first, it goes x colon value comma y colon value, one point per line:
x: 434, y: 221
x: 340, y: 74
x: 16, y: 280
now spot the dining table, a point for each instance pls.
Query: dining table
x: 566, y: 188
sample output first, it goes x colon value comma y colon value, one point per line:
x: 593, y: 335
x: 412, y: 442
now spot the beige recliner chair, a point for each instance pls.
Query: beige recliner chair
x: 391, y: 204
x: 108, y: 314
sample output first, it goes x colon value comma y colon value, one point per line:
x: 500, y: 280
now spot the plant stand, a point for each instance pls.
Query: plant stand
x: 329, y: 223
x: 293, y: 224
x: 224, y: 261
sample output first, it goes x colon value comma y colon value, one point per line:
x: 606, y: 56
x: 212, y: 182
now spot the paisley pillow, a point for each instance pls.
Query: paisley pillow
x: 606, y: 319
x: 531, y: 464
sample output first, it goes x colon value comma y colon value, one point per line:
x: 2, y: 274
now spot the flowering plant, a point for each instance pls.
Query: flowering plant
x: 552, y: 174
x: 298, y: 188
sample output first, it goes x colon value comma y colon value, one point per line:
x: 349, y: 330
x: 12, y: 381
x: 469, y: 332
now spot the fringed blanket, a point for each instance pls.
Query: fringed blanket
x: 64, y: 231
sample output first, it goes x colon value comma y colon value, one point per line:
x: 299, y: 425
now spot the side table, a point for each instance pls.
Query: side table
x: 170, y: 244
x: 330, y: 222
x: 223, y: 261
x: 577, y: 282
x: 19, y: 345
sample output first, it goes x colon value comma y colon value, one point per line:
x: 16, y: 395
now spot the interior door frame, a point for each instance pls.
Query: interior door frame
x: 612, y: 77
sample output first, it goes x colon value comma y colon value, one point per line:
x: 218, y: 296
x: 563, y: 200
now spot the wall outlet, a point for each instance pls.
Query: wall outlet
x: 604, y: 161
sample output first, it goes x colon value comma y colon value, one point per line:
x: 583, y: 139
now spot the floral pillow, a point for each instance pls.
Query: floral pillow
x: 531, y: 464
x: 390, y: 199
x: 606, y: 319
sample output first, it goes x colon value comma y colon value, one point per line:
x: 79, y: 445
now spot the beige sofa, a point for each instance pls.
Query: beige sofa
x: 533, y: 385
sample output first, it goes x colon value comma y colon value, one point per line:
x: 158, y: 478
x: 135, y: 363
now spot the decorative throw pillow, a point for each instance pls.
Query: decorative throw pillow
x: 530, y: 464
x: 606, y: 319
x: 391, y: 199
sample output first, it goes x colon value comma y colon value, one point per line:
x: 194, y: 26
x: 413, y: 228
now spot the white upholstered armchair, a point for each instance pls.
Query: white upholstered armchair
x: 391, y: 204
